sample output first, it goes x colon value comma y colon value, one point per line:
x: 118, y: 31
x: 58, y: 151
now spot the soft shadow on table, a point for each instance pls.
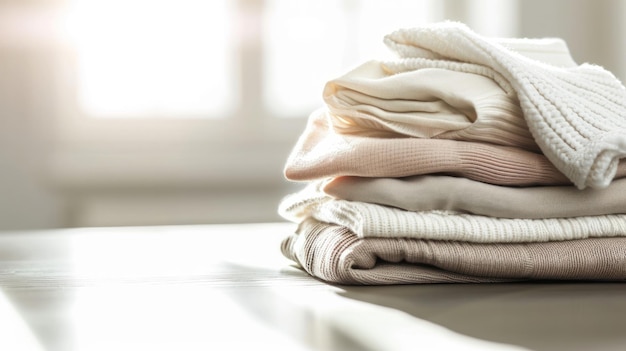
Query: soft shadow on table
x: 297, y: 321
x: 538, y: 316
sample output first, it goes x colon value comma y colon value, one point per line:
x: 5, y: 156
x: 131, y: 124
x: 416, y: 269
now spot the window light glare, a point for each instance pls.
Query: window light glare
x: 143, y: 58
x: 310, y: 42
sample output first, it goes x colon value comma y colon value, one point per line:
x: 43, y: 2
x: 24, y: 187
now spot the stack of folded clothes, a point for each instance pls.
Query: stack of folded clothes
x: 467, y: 159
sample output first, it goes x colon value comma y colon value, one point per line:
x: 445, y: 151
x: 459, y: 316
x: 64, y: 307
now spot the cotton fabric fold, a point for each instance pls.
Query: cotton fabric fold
x: 426, y: 103
x: 428, y: 193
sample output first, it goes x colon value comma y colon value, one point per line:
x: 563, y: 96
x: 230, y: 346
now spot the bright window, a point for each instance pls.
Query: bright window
x: 187, y: 58
x: 146, y: 58
x: 309, y: 42
x: 304, y: 45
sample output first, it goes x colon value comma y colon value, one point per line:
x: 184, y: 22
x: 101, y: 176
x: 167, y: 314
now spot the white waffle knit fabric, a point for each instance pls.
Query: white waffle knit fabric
x: 577, y: 115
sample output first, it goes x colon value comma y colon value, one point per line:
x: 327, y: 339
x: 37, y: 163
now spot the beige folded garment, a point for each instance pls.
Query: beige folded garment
x: 373, y: 220
x: 321, y: 153
x: 427, y: 193
x: 334, y: 254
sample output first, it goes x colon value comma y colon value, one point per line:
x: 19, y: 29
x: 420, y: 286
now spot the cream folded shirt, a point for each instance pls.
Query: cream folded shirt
x: 436, y: 101
x: 427, y: 193
x: 426, y: 103
x: 335, y: 254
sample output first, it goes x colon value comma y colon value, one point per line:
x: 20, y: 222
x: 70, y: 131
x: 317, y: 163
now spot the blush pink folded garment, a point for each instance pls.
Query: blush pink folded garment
x: 334, y: 254
x: 321, y: 153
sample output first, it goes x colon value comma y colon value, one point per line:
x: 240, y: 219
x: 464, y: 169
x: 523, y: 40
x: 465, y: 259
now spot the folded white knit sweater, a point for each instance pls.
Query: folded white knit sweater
x: 577, y: 115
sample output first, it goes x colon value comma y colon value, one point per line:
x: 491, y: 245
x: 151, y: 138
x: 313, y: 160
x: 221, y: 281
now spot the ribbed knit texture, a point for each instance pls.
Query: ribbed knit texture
x: 576, y: 115
x: 372, y: 220
x: 427, y: 193
x: 336, y: 255
x: 321, y: 153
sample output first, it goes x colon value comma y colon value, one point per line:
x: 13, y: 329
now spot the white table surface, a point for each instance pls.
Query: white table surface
x: 227, y: 287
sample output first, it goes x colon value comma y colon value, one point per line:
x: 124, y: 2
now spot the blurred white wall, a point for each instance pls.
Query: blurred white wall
x: 50, y: 177
x: 27, y: 197
x: 595, y: 31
